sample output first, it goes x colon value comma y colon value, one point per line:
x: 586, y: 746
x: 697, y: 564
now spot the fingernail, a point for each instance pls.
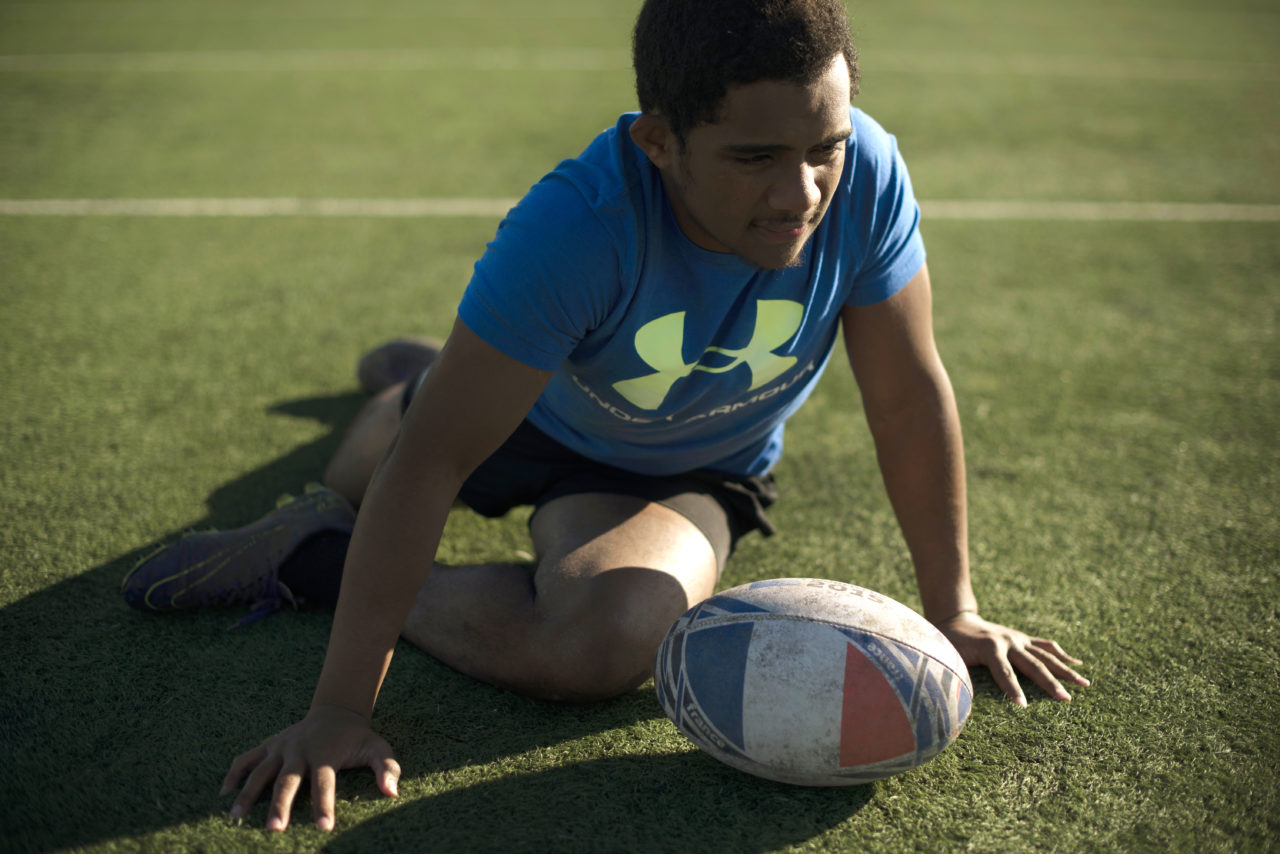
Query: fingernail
x: 324, y: 823
x: 275, y: 823
x: 225, y: 790
x: 1020, y: 700
x: 395, y: 791
x: 237, y: 812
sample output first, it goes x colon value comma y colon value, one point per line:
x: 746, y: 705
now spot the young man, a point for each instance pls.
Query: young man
x: 624, y: 359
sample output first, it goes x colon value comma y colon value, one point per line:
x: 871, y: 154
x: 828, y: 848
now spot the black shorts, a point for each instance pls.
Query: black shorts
x: 531, y: 469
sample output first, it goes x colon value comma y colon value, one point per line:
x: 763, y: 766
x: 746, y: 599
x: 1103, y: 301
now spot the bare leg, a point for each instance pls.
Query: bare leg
x: 614, y: 573
x: 364, y: 444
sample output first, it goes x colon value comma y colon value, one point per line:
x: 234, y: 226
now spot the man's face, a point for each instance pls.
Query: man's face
x: 758, y: 181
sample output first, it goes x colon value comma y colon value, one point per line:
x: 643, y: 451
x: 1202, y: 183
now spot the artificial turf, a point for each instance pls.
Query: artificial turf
x: 1119, y: 385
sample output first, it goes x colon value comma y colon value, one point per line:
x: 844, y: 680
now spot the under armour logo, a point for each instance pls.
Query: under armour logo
x: 660, y: 343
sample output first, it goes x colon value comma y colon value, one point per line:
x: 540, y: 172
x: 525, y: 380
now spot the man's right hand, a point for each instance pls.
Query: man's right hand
x: 327, y: 740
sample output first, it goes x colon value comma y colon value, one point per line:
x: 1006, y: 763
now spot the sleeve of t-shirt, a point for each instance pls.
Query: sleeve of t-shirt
x: 887, y: 217
x: 548, y: 277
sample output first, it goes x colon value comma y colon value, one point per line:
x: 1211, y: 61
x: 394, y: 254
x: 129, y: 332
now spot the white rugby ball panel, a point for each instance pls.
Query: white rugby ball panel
x: 843, y: 604
x: 812, y: 682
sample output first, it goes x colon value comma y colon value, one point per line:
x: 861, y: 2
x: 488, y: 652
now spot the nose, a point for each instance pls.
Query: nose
x: 797, y: 192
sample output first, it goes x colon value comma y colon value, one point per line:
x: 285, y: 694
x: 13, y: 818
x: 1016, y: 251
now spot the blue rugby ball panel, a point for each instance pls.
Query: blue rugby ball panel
x: 716, y: 660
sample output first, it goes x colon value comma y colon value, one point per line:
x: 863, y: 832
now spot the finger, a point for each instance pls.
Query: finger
x: 1052, y: 646
x: 241, y: 765
x: 1056, y: 665
x: 286, y: 789
x: 1035, y: 669
x: 324, y: 784
x: 376, y: 753
x: 261, y: 775
x: 387, y: 772
x: 1007, y: 679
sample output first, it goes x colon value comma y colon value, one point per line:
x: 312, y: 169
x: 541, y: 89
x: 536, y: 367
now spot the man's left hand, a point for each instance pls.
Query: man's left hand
x: 1002, y: 650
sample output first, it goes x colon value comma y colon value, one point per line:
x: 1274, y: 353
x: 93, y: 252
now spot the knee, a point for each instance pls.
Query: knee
x: 599, y: 662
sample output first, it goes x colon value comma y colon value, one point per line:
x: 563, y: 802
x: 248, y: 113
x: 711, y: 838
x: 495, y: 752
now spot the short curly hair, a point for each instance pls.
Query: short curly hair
x: 687, y: 53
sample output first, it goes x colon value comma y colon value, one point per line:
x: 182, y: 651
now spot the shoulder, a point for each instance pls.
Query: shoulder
x: 869, y: 136
x: 876, y: 215
x: 871, y: 155
x: 607, y: 177
x: 875, y: 184
x: 562, y: 260
x: 590, y: 203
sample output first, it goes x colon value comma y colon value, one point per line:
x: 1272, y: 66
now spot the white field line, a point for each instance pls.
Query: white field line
x: 612, y: 59
x: 464, y: 207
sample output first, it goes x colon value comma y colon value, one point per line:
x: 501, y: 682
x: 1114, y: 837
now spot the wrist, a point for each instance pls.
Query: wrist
x: 958, y: 614
x: 947, y: 606
x: 327, y: 707
x: 945, y: 590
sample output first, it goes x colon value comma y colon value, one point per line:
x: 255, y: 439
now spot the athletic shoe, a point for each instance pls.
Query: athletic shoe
x: 395, y: 361
x: 237, y: 567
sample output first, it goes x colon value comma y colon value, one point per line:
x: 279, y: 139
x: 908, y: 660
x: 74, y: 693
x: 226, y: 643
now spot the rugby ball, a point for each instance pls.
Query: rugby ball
x: 812, y: 682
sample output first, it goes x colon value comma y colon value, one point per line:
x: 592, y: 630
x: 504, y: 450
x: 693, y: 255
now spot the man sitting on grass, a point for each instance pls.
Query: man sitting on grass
x: 624, y: 359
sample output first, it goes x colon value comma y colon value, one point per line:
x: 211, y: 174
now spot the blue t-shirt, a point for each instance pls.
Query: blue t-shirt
x: 668, y: 357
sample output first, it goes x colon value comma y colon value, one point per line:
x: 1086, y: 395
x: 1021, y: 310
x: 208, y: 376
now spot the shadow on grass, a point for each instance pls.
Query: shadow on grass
x: 117, y: 724
x: 246, y: 498
x: 686, y: 802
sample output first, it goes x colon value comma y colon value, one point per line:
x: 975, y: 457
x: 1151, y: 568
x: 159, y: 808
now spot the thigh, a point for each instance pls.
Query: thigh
x: 614, y: 572
x: 619, y: 566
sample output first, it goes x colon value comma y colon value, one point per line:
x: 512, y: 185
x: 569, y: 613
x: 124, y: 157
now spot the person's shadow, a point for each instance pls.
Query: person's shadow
x: 115, y: 723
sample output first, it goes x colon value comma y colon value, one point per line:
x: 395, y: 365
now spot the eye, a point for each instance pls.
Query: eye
x: 754, y: 159
x: 827, y: 151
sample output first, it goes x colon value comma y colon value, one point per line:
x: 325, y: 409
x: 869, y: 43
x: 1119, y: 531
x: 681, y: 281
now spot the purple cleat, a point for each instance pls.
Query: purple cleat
x: 237, y: 567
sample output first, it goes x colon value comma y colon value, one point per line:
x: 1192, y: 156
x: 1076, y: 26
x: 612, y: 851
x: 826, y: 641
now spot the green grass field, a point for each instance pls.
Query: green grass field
x: 1119, y: 381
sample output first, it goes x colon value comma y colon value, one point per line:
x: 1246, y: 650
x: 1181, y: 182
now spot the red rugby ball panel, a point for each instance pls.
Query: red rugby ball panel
x: 874, y: 725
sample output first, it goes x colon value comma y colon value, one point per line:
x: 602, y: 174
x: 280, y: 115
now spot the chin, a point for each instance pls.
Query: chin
x: 779, y: 258
x: 771, y: 255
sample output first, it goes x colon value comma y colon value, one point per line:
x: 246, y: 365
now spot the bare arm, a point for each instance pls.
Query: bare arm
x: 911, y: 411
x: 470, y: 402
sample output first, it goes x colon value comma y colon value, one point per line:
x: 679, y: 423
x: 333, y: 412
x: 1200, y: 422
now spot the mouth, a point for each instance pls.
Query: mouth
x: 789, y: 230
x: 780, y: 232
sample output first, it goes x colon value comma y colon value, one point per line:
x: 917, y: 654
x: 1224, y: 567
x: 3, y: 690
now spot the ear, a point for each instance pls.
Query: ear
x: 653, y: 135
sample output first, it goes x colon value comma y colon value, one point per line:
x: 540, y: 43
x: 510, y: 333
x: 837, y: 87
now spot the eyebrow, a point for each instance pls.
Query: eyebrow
x: 773, y: 148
